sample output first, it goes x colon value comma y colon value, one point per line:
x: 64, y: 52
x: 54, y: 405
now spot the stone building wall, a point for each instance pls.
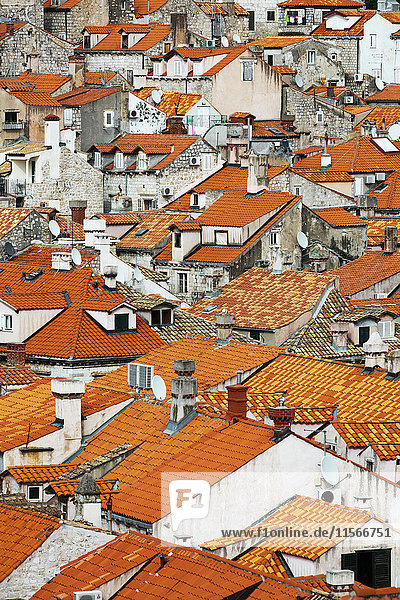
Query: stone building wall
x: 280, y: 182
x: 65, y: 544
x: 316, y: 196
x: 69, y: 24
x: 33, y: 48
x: 190, y: 85
x: 115, y: 61
x: 33, y: 227
x: 22, y: 10
x: 349, y: 51
x: 323, y: 70
x: 286, y: 28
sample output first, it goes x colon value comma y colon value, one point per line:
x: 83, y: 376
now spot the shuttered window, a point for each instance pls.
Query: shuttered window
x: 370, y: 567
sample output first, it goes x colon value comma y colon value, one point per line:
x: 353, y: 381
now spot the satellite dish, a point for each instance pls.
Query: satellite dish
x: 394, y: 131
x: 224, y: 42
x: 9, y: 249
x: 379, y: 83
x: 156, y: 96
x: 76, y: 257
x: 329, y: 470
x: 54, y: 228
x: 302, y: 239
x: 159, y: 388
x: 236, y: 38
x: 138, y: 274
x: 299, y: 81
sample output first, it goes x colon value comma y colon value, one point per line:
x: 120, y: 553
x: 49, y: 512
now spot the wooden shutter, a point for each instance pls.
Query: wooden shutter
x: 349, y: 561
x: 381, y: 568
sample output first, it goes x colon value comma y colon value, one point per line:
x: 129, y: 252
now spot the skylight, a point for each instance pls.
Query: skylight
x: 385, y: 144
x: 141, y: 232
x: 209, y: 308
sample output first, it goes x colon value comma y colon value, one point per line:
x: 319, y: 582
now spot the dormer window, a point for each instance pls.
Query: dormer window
x: 97, y: 160
x: 124, y: 40
x: 198, y: 67
x: 177, y: 67
x: 119, y: 160
x: 157, y: 68
x: 195, y: 200
x: 141, y: 161
x: 7, y: 322
x: 385, y: 329
x: 178, y: 240
x: 86, y: 41
x: 161, y: 316
x: 121, y: 322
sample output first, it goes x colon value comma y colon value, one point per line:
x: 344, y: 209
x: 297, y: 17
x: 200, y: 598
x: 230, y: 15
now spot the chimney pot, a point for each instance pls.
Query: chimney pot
x: 184, y: 368
x: 183, y: 397
x: 282, y: 417
x: 326, y: 161
x: 237, y: 401
x: 61, y: 261
x: 375, y: 351
x: 340, y: 582
x: 68, y: 395
x: 16, y: 355
x: 110, y: 277
x: 339, y: 331
x: 224, y: 324
x: 390, y: 239
x: 78, y: 208
x: 393, y: 364
x: 257, y: 178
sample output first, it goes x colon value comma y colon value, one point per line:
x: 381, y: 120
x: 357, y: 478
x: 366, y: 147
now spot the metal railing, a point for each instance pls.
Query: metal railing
x: 17, y: 187
x: 13, y: 125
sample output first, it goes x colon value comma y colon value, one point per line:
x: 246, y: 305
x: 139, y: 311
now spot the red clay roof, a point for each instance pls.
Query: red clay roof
x: 85, y: 95
x: 153, y: 34
x: 365, y: 271
x: 214, y: 8
x: 41, y: 255
x: 356, y: 30
x: 323, y: 3
x: 391, y: 93
x: 388, y: 191
x: 339, y: 217
x: 157, y: 224
x: 99, y: 77
x: 37, y: 82
x: 381, y: 114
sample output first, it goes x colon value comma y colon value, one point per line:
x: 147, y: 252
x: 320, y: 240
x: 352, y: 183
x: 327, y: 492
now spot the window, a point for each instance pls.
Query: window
x: 157, y: 68
x: 206, y: 162
x: 247, y: 70
x: 177, y: 67
x: 142, y: 161
x: 273, y: 238
x: 297, y: 190
x: 311, y: 57
x: 178, y: 240
x: 198, y: 67
x: 385, y: 329
x: 119, y: 160
x: 97, y: 160
x: 270, y: 59
x: 130, y: 76
x: 251, y: 20
x: 221, y: 238
x: 334, y: 56
x: 33, y: 171
x: 11, y: 116
x: 370, y: 464
x: 363, y: 335
x: 34, y: 493
x: 8, y: 322
x: 182, y: 283
x: 123, y: 5
x: 320, y: 116
x: 161, y: 316
x: 108, y: 118
x: 68, y: 116
x: 121, y: 322
x: 270, y: 15
x: 195, y: 200
x: 167, y: 47
x: 86, y: 41
x: 371, y: 567
x: 372, y: 40
x: 255, y: 335
x: 124, y: 40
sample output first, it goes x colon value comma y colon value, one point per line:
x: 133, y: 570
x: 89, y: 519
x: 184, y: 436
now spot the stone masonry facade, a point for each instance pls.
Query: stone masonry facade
x: 68, y: 24
x: 33, y: 227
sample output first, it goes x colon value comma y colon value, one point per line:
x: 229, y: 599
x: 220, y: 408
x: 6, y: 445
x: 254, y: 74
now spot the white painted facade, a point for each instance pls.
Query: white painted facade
x: 379, y: 54
x: 23, y: 323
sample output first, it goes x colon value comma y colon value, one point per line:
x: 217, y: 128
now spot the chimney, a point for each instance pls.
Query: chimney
x: 61, y: 261
x: 52, y: 131
x: 68, y: 137
x: 368, y: 204
x: 15, y: 355
x: 282, y: 417
x: 229, y: 7
x: 237, y: 401
x: 10, y: 28
x: 340, y: 583
x: 87, y: 501
x: 110, y: 277
x: 175, y: 125
x: 257, y: 178
x: 326, y: 161
x: 390, y: 240
x: 179, y: 28
x: 330, y: 91
x: 277, y: 268
x: 375, y: 351
x: 224, y: 324
x: 91, y: 227
x: 393, y: 365
x: 183, y: 393
x: 78, y: 208
x: 339, y: 335
x: 68, y: 394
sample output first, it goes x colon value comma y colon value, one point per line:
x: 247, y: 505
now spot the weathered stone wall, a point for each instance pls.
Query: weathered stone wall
x: 22, y: 10
x: 33, y: 227
x: 190, y: 85
x: 323, y: 70
x: 33, y: 48
x: 114, y: 61
x: 280, y: 182
x: 316, y: 196
x: 286, y: 28
x: 349, y: 51
x: 69, y: 24
x: 65, y: 544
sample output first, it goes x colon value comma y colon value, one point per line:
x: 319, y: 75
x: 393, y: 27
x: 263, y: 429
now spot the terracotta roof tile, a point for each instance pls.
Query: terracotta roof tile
x: 16, y: 376
x: 213, y: 8
x: 157, y: 225
x: 387, y: 115
x: 153, y: 34
x: 37, y: 473
x: 391, y: 93
x: 339, y: 217
x: 261, y: 299
x: 99, y: 77
x: 126, y: 218
x: 365, y: 271
x: 376, y: 228
x: 356, y: 30
x: 36, y: 98
x: 269, y: 129
x: 41, y: 255
x: 383, y: 438
x: 323, y: 3
x: 177, y: 103
x: 279, y: 41
x: 3, y: 28
x: 37, y: 82
x: 10, y: 217
x: 85, y: 95
x: 322, y: 176
x: 263, y: 560
x: 283, y: 69
x: 388, y: 191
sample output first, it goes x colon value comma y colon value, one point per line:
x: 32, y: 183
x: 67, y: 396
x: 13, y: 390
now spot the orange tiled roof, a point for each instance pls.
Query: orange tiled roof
x: 279, y: 41
x: 263, y: 560
x: 99, y: 77
x: 388, y: 191
x: 308, y: 150
x: 323, y: 3
x: 366, y: 271
x: 153, y: 34
x: 226, y: 60
x: 3, y: 28
x: 16, y: 376
x: 268, y: 128
x: 339, y: 217
x: 10, y: 217
x: 157, y: 223
x: 303, y: 513
x: 177, y: 103
x: 391, y: 93
x: 37, y: 473
x: 41, y: 255
x: 67, y: 487
x: 376, y: 228
x: 383, y: 438
x: 263, y: 300
x: 36, y: 98
x: 85, y: 95
x: 391, y: 15
x: 283, y: 69
x: 126, y: 218
x: 380, y: 114
x: 356, y: 30
x: 317, y: 383
x: 215, y: 8
x: 322, y: 176
x: 38, y: 82
x: 22, y: 532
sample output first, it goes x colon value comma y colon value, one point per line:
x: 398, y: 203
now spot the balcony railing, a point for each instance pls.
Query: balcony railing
x: 17, y: 187
x: 13, y: 125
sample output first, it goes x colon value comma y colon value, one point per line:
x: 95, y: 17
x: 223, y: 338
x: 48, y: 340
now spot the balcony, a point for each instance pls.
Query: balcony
x: 16, y: 187
x: 9, y: 126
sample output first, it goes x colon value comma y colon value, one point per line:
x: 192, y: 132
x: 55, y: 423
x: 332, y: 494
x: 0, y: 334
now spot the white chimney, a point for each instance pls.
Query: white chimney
x: 257, y: 177
x: 67, y: 137
x: 340, y: 582
x: 326, y: 161
x: 110, y: 276
x: 375, y: 351
x: 68, y: 394
x: 224, y: 324
x: 88, y: 501
x: 393, y: 364
x: 91, y: 227
x: 184, y: 394
x: 52, y: 131
x: 61, y: 261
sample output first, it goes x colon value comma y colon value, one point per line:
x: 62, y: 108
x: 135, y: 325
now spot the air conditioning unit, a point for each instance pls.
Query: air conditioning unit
x: 210, y: 42
x: 358, y: 77
x: 94, y: 595
x: 331, y: 496
x: 133, y: 114
x: 370, y: 179
x: 194, y: 161
x: 140, y: 376
x: 380, y: 176
x: 348, y: 99
x: 168, y: 191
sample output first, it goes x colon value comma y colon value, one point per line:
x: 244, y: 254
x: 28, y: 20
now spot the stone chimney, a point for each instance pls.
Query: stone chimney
x: 393, y: 364
x: 175, y: 125
x: 282, y: 417
x: 390, y: 240
x: 68, y: 394
x: 224, y: 324
x: 110, y: 277
x: 179, y: 28
x: 257, y: 178
x: 15, y: 355
x: 78, y: 209
x: 87, y: 501
x: 10, y: 28
x: 237, y: 401
x: 61, y: 261
x: 368, y: 204
x: 326, y: 161
x: 183, y: 393
x: 340, y: 582
x: 340, y: 330
x: 375, y: 351
x: 52, y: 131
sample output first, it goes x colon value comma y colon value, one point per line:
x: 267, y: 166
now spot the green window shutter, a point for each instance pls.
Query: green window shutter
x: 381, y: 568
x: 349, y: 561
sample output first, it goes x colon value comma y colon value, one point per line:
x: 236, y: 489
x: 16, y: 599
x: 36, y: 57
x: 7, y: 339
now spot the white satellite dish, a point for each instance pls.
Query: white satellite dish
x: 138, y: 274
x: 379, y: 83
x: 76, y: 257
x: 329, y: 470
x: 299, y: 80
x: 224, y: 42
x: 236, y: 38
x: 302, y: 239
x: 54, y: 228
x: 156, y: 96
x: 394, y: 131
x: 159, y: 388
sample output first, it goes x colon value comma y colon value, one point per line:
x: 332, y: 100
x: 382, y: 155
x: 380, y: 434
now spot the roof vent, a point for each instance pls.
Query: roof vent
x: 33, y: 275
